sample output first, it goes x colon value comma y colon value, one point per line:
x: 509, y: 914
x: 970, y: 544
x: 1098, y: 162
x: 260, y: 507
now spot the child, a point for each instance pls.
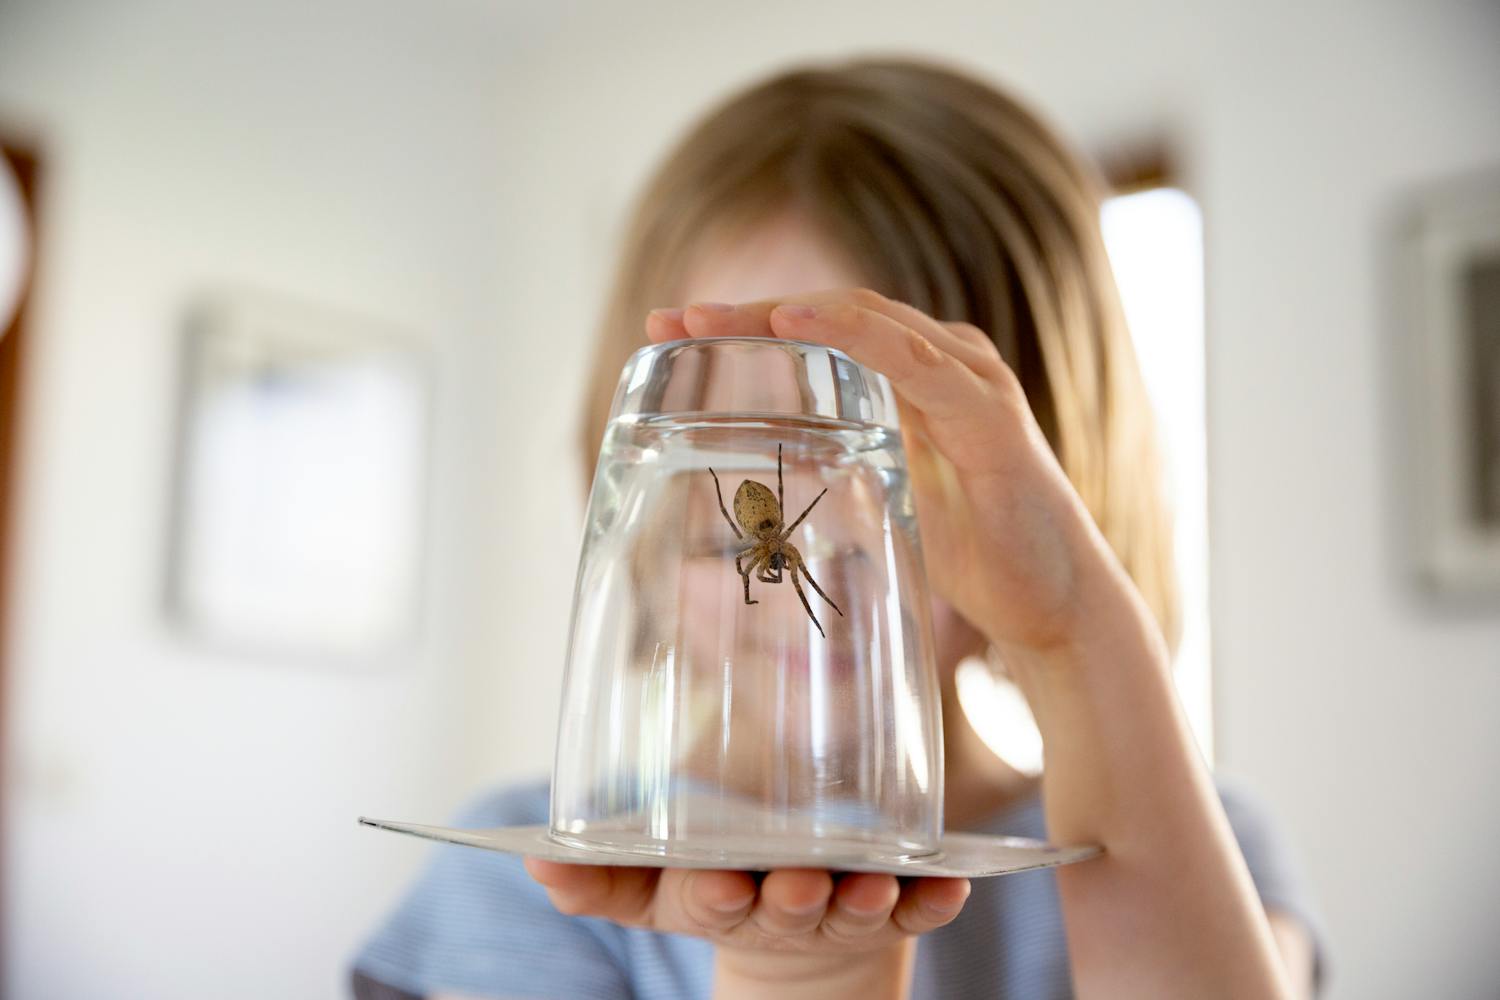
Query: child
x: 926, y: 225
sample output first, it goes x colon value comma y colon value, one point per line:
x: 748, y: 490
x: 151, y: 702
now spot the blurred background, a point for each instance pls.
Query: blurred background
x: 288, y: 414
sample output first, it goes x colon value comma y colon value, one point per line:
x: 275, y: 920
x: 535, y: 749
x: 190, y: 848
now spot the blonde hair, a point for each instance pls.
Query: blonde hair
x: 947, y: 195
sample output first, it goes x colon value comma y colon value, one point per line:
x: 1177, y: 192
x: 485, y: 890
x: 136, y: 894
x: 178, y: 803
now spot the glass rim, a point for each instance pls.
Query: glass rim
x: 749, y: 341
x: 836, y: 388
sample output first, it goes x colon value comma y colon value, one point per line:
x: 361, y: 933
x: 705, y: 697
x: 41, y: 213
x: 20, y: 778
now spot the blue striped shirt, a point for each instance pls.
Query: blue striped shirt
x: 476, y: 924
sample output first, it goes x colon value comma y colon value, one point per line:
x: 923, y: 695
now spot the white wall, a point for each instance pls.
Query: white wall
x: 180, y: 822
x: 186, y: 149
x: 1367, y: 717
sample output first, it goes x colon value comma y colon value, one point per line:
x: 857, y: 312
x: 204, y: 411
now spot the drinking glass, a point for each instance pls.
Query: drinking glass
x: 750, y: 670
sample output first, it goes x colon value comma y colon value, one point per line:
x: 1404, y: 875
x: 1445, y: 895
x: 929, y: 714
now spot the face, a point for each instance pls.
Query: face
x: 787, y: 256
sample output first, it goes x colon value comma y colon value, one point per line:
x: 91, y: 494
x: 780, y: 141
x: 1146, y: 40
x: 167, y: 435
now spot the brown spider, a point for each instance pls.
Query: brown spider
x: 759, y: 513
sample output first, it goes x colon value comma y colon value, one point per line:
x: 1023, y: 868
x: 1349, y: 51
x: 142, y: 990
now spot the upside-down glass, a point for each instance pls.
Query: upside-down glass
x: 696, y: 726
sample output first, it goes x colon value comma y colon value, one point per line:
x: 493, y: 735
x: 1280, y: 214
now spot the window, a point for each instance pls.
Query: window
x: 1155, y: 242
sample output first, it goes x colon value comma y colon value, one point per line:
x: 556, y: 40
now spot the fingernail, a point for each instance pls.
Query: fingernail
x: 799, y: 312
x: 672, y: 314
x: 718, y: 307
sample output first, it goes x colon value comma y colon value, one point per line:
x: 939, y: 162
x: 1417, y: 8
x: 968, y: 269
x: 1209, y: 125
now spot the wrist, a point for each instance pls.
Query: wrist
x: 884, y: 974
x: 1106, y: 618
x: 1113, y: 646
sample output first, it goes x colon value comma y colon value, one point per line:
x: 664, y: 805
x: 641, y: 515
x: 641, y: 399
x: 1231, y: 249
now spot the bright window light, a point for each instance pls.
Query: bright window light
x: 1155, y: 244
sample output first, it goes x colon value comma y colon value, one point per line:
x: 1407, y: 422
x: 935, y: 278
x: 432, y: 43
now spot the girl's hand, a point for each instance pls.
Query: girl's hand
x: 1007, y: 541
x: 836, y: 924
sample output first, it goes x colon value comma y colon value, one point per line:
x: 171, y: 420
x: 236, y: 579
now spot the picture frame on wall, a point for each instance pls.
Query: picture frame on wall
x: 299, y: 486
x: 1450, y: 249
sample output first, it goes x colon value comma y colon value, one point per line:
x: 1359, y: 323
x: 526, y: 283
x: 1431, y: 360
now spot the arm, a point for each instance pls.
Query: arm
x: 1122, y: 770
x: 1170, y: 909
x: 1283, y: 892
x: 1297, y: 955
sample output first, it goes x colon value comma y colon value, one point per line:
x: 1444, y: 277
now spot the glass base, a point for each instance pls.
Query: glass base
x: 730, y: 849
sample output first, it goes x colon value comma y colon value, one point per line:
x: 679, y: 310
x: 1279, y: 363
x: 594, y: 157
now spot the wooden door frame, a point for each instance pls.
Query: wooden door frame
x: 14, y: 351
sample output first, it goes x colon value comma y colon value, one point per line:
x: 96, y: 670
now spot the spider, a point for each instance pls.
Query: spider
x: 759, y: 514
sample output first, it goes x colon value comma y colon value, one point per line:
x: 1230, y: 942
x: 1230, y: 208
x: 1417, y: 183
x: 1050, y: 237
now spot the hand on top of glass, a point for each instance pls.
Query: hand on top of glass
x: 1007, y: 540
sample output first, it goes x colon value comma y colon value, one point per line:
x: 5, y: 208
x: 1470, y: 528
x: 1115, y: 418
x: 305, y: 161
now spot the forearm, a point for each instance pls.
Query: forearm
x: 1169, y: 910
x: 749, y: 975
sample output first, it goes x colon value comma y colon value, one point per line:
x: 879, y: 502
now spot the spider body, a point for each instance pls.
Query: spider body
x: 758, y: 512
x: 757, y: 509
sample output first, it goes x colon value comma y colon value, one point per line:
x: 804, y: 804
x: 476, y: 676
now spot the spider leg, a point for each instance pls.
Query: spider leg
x: 770, y: 569
x: 756, y: 561
x: 780, y: 503
x: 720, y: 494
x: 792, y: 569
x: 799, y: 561
x: 788, y: 532
x: 742, y: 553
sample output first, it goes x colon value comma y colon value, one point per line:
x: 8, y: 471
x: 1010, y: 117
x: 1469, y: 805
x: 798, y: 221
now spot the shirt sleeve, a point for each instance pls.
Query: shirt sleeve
x: 1274, y: 869
x: 476, y: 924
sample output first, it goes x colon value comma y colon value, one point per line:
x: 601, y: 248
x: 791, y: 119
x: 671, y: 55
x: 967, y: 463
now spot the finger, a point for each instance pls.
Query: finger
x: 715, y: 900
x: 581, y: 880
x: 752, y: 319
x: 616, y: 893
x: 665, y: 324
x: 718, y: 319
x: 861, y: 907
x: 964, y: 341
x: 956, y: 397
x: 928, y: 903
x: 972, y: 334
x: 792, y: 901
x: 979, y: 356
x: 974, y: 348
x: 932, y: 379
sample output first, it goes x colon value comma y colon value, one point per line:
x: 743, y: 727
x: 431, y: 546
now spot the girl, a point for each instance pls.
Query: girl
x: 932, y: 229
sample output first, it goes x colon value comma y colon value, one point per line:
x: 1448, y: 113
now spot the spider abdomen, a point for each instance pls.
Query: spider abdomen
x: 756, y: 509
